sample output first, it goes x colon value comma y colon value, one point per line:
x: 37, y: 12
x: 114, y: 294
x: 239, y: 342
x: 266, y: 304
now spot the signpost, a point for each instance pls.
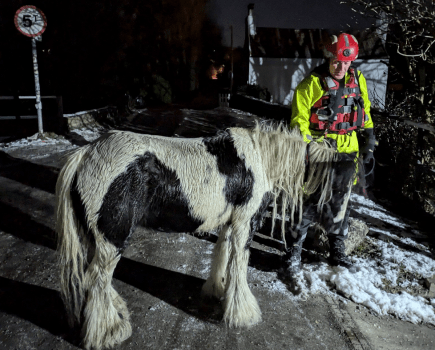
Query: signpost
x: 31, y: 22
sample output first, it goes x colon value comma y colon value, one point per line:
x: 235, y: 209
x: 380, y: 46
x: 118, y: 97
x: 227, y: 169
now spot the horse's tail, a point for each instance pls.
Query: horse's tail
x: 72, y: 253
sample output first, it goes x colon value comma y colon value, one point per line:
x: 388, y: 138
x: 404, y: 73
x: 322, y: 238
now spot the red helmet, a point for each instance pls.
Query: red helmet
x: 343, y: 48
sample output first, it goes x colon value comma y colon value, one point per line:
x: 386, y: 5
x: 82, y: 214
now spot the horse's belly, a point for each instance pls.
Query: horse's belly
x: 172, y: 217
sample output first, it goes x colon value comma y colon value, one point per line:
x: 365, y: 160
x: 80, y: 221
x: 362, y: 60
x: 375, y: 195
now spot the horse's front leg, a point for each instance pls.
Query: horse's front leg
x: 215, y: 284
x: 240, y: 305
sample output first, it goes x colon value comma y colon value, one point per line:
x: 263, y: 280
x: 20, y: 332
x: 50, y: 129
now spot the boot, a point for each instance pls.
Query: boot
x: 292, y: 260
x: 337, y: 257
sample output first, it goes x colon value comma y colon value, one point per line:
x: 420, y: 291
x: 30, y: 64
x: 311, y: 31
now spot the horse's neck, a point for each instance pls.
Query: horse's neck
x: 279, y: 151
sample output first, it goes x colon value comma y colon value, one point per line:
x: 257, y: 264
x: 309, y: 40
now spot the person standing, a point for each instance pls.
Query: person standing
x: 332, y: 102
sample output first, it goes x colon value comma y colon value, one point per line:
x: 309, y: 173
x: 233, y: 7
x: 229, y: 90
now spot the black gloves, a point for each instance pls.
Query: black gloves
x: 369, y: 145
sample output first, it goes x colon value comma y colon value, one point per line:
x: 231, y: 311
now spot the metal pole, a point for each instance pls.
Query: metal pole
x: 38, y: 104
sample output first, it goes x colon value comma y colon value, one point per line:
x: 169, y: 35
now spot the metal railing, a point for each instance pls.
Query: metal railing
x: 52, y: 124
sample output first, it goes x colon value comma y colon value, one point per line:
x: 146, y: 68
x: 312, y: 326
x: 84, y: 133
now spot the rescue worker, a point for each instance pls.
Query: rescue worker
x: 332, y: 102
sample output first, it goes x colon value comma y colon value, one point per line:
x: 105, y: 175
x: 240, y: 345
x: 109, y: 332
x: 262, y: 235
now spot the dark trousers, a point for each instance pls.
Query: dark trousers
x: 298, y: 233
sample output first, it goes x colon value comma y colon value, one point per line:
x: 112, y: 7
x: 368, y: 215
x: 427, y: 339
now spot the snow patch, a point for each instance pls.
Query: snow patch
x: 366, y: 202
x: 368, y: 207
x: 34, y: 141
x: 363, y: 287
x: 367, y: 285
x: 63, y: 144
x: 90, y: 134
x: 407, y: 240
x: 360, y: 288
x: 192, y: 324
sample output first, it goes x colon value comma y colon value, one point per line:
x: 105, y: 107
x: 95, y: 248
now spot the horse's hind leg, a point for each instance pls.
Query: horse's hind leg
x: 215, y: 284
x: 106, y: 318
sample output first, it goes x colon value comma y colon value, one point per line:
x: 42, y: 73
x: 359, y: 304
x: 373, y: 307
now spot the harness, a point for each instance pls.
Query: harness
x: 341, y: 108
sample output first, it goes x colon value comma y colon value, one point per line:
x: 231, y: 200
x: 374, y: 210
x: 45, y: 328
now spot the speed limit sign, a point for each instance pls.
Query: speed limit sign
x: 30, y: 21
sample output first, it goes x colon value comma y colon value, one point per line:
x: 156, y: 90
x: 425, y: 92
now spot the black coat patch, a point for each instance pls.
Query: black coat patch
x: 169, y: 210
x: 147, y: 190
x: 125, y: 202
x: 239, y: 180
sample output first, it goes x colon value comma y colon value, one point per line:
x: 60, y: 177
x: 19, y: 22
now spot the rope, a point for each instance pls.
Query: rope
x: 373, y: 168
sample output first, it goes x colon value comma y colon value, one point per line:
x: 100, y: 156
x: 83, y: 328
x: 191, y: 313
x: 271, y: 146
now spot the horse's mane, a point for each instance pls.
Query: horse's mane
x: 284, y: 154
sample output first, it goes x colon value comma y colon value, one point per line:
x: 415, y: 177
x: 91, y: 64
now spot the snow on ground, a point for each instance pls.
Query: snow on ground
x: 367, y: 207
x: 90, y: 134
x: 363, y: 287
x: 408, y: 241
x: 235, y: 111
x: 366, y: 286
x: 50, y: 139
x: 35, y: 142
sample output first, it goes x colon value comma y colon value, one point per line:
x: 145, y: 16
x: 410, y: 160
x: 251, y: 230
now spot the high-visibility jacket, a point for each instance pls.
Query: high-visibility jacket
x: 307, y: 93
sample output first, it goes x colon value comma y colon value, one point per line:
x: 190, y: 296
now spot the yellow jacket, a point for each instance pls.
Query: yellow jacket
x: 307, y: 93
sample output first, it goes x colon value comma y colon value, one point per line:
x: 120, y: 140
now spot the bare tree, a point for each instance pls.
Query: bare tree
x: 410, y: 29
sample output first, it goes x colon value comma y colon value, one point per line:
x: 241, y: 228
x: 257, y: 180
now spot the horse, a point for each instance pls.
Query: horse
x: 223, y: 182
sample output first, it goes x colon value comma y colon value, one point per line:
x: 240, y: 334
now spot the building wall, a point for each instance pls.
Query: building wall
x: 281, y: 76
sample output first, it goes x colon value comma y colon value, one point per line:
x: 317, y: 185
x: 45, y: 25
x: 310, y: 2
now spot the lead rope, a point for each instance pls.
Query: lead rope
x: 373, y: 168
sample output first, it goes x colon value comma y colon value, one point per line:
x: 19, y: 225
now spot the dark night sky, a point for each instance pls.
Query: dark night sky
x: 300, y: 14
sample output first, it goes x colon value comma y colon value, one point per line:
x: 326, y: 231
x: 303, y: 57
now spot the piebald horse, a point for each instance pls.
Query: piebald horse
x: 224, y: 182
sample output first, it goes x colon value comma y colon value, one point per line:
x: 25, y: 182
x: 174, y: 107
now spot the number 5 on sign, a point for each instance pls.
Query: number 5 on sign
x: 30, y: 21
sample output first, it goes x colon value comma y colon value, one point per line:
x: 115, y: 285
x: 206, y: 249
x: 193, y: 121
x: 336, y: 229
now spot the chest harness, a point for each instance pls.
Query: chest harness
x: 341, y: 108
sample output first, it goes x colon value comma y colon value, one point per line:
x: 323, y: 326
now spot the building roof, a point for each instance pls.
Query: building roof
x: 308, y: 43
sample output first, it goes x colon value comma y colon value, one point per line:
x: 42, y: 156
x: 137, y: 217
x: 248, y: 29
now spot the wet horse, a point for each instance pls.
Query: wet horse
x: 224, y: 182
